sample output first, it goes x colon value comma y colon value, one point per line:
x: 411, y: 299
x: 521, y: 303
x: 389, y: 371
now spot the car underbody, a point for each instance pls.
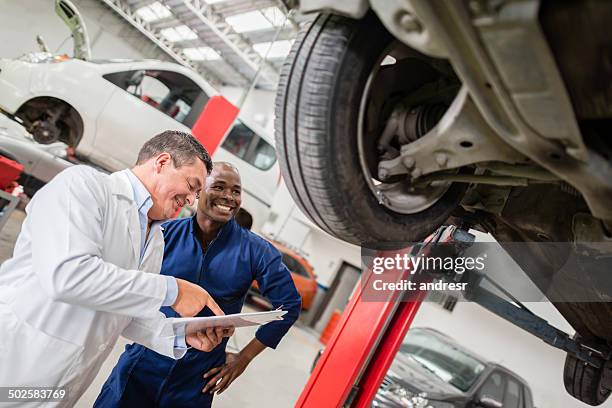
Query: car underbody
x: 488, y: 114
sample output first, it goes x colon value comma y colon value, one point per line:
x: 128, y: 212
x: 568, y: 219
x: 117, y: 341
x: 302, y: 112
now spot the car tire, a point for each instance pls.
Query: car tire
x: 584, y: 382
x: 316, y: 120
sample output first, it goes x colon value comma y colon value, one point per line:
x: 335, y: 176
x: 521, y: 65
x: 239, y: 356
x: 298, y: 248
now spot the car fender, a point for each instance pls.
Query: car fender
x: 14, y: 84
x: 79, y: 85
x: 75, y: 83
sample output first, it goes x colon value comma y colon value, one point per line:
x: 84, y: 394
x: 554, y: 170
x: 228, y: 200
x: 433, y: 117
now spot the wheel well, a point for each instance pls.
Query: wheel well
x: 70, y: 122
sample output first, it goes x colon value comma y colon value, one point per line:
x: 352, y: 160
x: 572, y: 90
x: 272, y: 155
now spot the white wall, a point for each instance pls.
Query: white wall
x: 289, y: 225
x: 110, y: 35
x: 258, y: 105
x: 325, y: 253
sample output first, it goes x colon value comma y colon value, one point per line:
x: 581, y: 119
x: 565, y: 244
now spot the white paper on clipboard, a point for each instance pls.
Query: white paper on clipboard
x: 188, y: 325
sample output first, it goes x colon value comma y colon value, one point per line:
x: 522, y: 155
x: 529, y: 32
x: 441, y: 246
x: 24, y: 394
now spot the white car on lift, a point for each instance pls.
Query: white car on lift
x: 104, y: 110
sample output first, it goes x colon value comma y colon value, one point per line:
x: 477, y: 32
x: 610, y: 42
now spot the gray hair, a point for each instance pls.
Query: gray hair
x: 182, y: 147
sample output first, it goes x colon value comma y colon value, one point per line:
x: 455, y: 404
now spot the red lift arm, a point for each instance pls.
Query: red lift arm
x: 363, y: 346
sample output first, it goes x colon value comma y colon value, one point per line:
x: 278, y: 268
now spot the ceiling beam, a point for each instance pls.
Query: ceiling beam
x: 238, y: 44
x: 126, y: 12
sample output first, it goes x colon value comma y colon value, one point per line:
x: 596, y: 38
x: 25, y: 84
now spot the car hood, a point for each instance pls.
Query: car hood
x: 414, y: 377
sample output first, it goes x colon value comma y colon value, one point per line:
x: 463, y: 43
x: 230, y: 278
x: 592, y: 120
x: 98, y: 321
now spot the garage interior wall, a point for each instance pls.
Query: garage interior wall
x: 258, y: 106
x: 290, y: 226
x: 325, y: 253
x: 110, y: 37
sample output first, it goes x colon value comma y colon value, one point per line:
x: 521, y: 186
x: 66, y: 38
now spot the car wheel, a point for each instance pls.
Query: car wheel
x: 585, y: 382
x: 50, y: 120
x: 45, y: 132
x: 336, y: 92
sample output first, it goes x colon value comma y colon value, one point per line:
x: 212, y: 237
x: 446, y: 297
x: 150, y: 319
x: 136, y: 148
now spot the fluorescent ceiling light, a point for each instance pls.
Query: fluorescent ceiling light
x: 279, y: 49
x: 201, y: 54
x: 251, y: 21
x: 179, y: 33
x: 257, y: 20
x: 153, y: 12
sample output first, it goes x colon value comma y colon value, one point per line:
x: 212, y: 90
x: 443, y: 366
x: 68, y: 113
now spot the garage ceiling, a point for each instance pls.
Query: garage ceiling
x: 224, y: 40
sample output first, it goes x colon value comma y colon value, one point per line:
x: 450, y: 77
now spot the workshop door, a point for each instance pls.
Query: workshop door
x: 339, y: 294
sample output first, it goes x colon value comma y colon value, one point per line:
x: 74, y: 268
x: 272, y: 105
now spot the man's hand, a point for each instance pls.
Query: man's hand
x: 192, y: 298
x: 222, y: 377
x: 208, y: 339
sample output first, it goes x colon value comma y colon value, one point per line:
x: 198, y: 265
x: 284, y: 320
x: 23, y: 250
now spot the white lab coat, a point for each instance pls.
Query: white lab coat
x: 74, y: 286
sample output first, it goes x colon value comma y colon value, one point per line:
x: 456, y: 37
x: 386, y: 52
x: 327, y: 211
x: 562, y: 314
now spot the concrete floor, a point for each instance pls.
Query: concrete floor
x: 274, y: 379
x: 8, y: 234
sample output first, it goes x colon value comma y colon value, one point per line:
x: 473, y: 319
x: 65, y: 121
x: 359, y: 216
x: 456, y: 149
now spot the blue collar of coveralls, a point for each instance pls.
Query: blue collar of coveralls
x: 225, y: 230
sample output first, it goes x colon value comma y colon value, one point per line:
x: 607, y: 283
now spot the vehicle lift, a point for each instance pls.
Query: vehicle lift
x: 359, y: 353
x: 10, y: 171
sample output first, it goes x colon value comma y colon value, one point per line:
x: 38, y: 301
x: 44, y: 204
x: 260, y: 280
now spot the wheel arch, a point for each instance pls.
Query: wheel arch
x: 72, y: 117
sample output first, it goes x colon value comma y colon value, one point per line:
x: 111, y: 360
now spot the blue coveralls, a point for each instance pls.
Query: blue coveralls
x: 144, y: 378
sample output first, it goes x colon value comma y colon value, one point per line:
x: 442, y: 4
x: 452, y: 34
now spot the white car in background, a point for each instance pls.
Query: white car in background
x: 104, y: 110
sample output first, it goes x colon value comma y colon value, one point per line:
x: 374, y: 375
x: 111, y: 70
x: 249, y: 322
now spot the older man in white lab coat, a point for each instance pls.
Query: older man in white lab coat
x: 85, y: 270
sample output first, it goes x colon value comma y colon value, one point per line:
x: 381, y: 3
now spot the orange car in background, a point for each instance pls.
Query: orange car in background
x: 301, y: 272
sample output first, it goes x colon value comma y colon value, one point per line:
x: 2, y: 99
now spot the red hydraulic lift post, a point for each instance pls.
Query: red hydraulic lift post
x: 348, y: 350
x: 363, y: 345
x: 386, y: 351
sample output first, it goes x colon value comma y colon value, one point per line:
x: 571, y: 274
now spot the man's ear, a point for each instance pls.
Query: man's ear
x: 161, y: 160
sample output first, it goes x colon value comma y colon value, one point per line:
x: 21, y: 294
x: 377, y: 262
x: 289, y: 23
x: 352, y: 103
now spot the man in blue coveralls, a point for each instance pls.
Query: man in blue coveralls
x: 212, y: 250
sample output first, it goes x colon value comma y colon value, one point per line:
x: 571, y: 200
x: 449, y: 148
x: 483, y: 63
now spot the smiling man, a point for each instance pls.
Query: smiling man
x: 213, y: 251
x: 85, y: 270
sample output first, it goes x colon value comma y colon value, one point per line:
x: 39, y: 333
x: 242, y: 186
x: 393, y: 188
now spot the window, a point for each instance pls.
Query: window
x: 171, y: 93
x: 238, y: 140
x: 151, y: 90
x: 294, y: 265
x: 493, y: 387
x: 512, y: 397
x: 264, y: 155
x: 183, y: 110
x: 250, y: 147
